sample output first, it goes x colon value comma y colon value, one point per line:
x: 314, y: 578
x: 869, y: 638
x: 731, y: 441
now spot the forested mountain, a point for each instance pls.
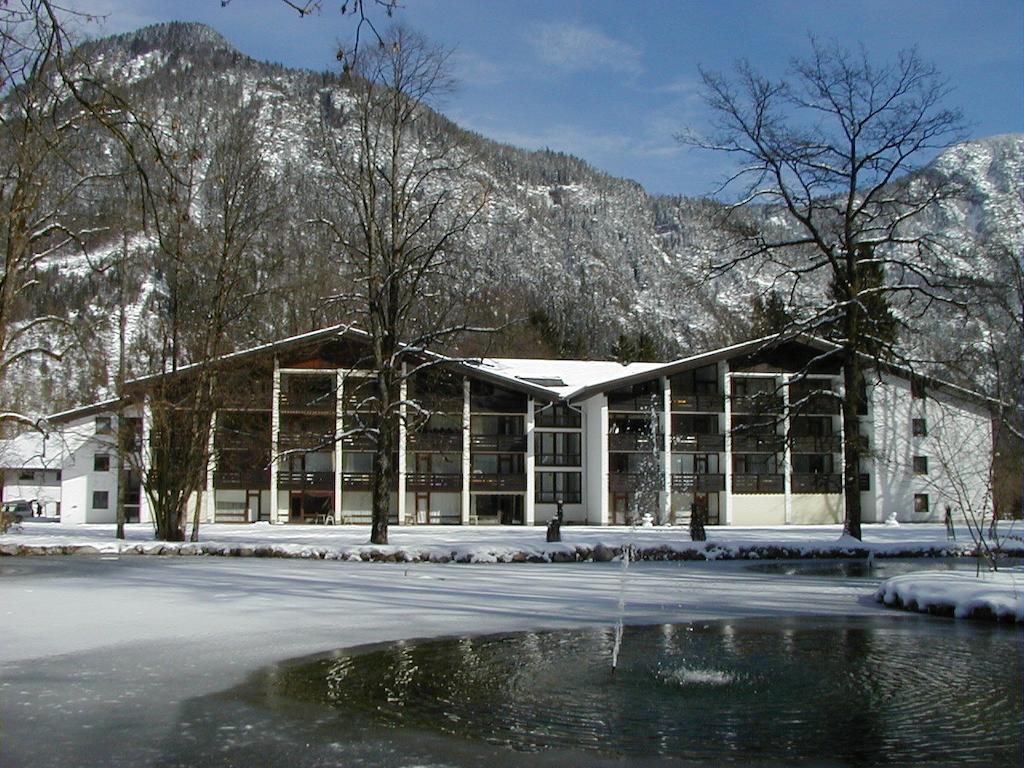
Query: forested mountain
x: 583, y: 264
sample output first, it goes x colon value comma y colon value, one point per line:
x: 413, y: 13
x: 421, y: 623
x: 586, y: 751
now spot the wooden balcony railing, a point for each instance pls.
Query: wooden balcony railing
x: 698, y: 443
x: 698, y: 403
x: 312, y: 480
x: 816, y: 483
x: 816, y: 444
x: 819, y: 403
x: 241, y: 480
x: 704, y: 483
x: 630, y: 482
x: 438, y: 403
x: 433, y: 482
x: 303, y: 402
x: 248, y: 399
x: 757, y: 403
x: 499, y: 443
x: 480, y: 482
x: 358, y: 442
x: 749, y: 443
x: 434, y: 441
x: 305, y: 441
x: 497, y: 403
x: 758, y: 484
x: 635, y: 441
x: 635, y: 404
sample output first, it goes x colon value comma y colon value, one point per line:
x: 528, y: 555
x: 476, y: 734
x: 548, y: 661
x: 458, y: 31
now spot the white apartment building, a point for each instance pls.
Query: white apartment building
x: 750, y: 433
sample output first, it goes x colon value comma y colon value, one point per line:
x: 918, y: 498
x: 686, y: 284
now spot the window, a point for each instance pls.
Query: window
x: 917, y: 388
x: 104, y: 425
x: 812, y: 464
x: 558, y: 449
x: 920, y: 502
x: 101, y: 463
x: 920, y: 465
x: 100, y: 500
x: 919, y: 427
x: 554, y: 485
x: 557, y: 416
x: 753, y: 463
x: 26, y: 474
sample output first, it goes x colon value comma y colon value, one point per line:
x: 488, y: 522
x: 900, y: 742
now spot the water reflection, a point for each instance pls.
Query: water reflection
x: 766, y: 691
x: 879, y: 568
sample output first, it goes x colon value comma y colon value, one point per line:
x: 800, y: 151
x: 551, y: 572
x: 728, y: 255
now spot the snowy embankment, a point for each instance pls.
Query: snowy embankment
x: 990, y: 595
x: 497, y: 544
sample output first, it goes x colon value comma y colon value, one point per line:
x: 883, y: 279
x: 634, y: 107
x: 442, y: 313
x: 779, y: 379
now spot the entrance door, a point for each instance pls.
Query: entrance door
x: 620, y: 508
x: 422, y: 508
x: 253, y: 510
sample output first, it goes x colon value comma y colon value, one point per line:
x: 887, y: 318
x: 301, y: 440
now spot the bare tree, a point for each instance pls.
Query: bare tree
x: 400, y: 197
x: 216, y: 204
x: 831, y: 147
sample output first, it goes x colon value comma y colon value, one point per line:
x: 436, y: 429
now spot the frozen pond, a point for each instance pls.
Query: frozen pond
x: 780, y: 691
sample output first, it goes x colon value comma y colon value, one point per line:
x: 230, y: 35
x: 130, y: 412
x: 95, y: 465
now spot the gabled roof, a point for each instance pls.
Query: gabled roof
x: 545, y: 379
x: 33, y: 450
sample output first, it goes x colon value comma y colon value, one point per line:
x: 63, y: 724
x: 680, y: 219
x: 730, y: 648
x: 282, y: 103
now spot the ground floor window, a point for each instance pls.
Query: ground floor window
x: 552, y: 486
x: 920, y: 502
x: 499, y: 508
x: 101, y: 500
x: 311, y: 507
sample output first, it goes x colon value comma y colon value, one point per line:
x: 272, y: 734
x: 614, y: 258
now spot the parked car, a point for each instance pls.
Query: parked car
x: 19, y: 509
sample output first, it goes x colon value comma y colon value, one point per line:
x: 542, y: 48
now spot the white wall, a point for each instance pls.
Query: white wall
x: 595, y: 460
x: 958, y: 447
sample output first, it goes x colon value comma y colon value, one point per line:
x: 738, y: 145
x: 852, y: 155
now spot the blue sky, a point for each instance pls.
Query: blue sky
x: 613, y: 81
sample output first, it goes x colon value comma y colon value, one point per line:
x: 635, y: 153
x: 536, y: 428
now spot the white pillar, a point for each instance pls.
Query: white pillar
x: 275, y: 433
x: 787, y: 451
x: 339, y: 428
x: 842, y: 452
x: 465, y: 452
x: 146, y: 451
x: 727, y: 496
x: 529, y: 514
x: 603, y: 469
x: 403, y: 391
x: 666, y: 507
x: 211, y: 467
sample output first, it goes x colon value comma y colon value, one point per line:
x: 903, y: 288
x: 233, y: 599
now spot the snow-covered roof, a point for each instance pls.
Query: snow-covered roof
x: 562, y: 377
x: 33, y: 450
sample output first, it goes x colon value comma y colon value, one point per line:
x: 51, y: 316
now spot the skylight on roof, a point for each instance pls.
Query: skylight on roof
x: 541, y: 381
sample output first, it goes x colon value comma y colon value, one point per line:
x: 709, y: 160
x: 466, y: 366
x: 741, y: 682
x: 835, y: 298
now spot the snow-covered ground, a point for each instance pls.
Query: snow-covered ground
x: 988, y: 595
x: 506, y: 543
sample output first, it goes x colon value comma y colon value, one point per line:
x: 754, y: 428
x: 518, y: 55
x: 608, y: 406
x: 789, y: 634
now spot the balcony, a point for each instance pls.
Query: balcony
x: 698, y: 443
x: 817, y: 483
x: 703, y: 483
x: 631, y: 482
x: 816, y: 444
x: 306, y: 402
x: 498, y: 443
x: 635, y: 441
x: 688, y: 403
x: 435, y: 441
x: 758, y: 484
x: 248, y: 399
x: 749, y: 443
x: 421, y: 482
x: 361, y: 481
x: 308, y: 480
x: 305, y: 441
x: 481, y: 482
x: 820, y: 403
x: 762, y: 403
x: 510, y: 403
x: 635, y: 403
x: 439, y: 403
x: 242, y: 479
x: 359, y: 442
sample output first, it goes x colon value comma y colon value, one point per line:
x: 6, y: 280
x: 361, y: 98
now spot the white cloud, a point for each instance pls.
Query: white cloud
x: 573, y: 47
